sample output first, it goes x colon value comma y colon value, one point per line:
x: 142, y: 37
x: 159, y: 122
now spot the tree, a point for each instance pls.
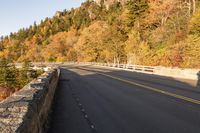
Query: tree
x: 90, y: 43
x: 194, y: 24
x: 114, y: 40
x: 1, y: 44
x: 190, y: 52
x: 8, y: 74
x: 132, y: 46
x: 3, y: 70
x: 61, y: 43
x: 1, y: 38
x: 81, y: 18
x: 135, y: 11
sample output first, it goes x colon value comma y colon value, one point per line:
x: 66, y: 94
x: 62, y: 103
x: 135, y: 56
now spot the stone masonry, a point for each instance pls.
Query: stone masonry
x: 27, y: 111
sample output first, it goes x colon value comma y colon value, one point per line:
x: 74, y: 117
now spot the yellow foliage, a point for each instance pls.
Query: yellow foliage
x: 191, y: 52
x: 59, y: 46
x: 91, y: 41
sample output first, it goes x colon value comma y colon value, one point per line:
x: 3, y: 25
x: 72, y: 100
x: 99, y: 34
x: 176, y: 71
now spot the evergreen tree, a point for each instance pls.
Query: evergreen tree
x: 136, y: 10
x: 3, y: 70
x: 8, y: 74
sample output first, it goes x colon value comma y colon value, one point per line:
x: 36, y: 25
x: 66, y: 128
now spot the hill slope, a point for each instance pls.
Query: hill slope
x: 146, y: 32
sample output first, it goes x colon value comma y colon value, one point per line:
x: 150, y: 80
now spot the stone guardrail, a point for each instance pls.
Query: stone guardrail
x: 26, y: 111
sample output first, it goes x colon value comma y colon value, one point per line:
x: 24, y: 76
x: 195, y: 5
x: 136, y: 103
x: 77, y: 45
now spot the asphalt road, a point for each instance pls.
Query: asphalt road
x: 98, y: 100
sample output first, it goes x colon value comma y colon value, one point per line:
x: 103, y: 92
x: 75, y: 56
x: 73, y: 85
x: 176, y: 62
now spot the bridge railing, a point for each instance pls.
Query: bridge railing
x: 149, y: 69
x: 192, y: 74
x: 157, y: 70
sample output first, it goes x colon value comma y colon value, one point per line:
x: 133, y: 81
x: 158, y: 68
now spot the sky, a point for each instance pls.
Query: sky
x: 16, y: 14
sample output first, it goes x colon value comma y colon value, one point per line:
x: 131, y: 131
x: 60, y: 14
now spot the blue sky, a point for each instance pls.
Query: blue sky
x: 16, y: 14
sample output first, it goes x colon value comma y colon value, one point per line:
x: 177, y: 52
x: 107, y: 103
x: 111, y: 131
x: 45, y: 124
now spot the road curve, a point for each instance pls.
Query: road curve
x: 88, y: 101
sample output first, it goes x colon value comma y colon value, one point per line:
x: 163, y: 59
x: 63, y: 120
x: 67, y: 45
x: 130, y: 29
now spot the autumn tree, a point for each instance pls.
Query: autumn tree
x: 90, y: 43
x: 61, y: 44
x: 114, y: 40
x: 194, y: 24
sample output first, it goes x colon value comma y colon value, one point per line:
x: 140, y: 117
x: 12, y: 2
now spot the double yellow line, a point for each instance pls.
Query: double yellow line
x: 154, y: 89
x: 194, y: 101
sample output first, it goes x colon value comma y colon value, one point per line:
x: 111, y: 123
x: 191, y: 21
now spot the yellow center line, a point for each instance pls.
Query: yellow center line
x: 154, y: 89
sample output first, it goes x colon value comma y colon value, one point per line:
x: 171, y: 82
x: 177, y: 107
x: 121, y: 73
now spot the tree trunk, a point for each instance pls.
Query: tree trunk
x: 114, y: 61
x: 193, y: 6
x: 118, y: 60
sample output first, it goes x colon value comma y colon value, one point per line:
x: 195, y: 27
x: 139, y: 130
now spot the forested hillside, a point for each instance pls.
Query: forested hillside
x: 145, y: 32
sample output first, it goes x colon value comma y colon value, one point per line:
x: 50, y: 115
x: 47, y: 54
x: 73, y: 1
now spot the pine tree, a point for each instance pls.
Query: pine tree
x: 8, y: 74
x: 136, y: 10
x: 3, y: 69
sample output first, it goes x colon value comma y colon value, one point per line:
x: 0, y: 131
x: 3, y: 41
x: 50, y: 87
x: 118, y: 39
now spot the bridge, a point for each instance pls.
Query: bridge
x: 105, y: 98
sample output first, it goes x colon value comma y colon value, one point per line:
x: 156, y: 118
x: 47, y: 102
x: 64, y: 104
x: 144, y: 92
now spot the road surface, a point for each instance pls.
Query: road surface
x: 93, y: 99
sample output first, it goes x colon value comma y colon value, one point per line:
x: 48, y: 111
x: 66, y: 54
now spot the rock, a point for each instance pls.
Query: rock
x: 27, y: 111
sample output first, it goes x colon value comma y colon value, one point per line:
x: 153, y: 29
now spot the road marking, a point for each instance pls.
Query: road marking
x: 92, y: 126
x: 80, y: 106
x: 154, y: 89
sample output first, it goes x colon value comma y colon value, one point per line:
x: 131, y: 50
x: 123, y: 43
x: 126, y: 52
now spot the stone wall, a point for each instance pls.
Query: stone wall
x: 26, y: 111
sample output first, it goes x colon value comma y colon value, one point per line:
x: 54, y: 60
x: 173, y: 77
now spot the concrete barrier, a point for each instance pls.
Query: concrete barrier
x: 26, y: 111
x: 192, y: 74
x: 177, y: 73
